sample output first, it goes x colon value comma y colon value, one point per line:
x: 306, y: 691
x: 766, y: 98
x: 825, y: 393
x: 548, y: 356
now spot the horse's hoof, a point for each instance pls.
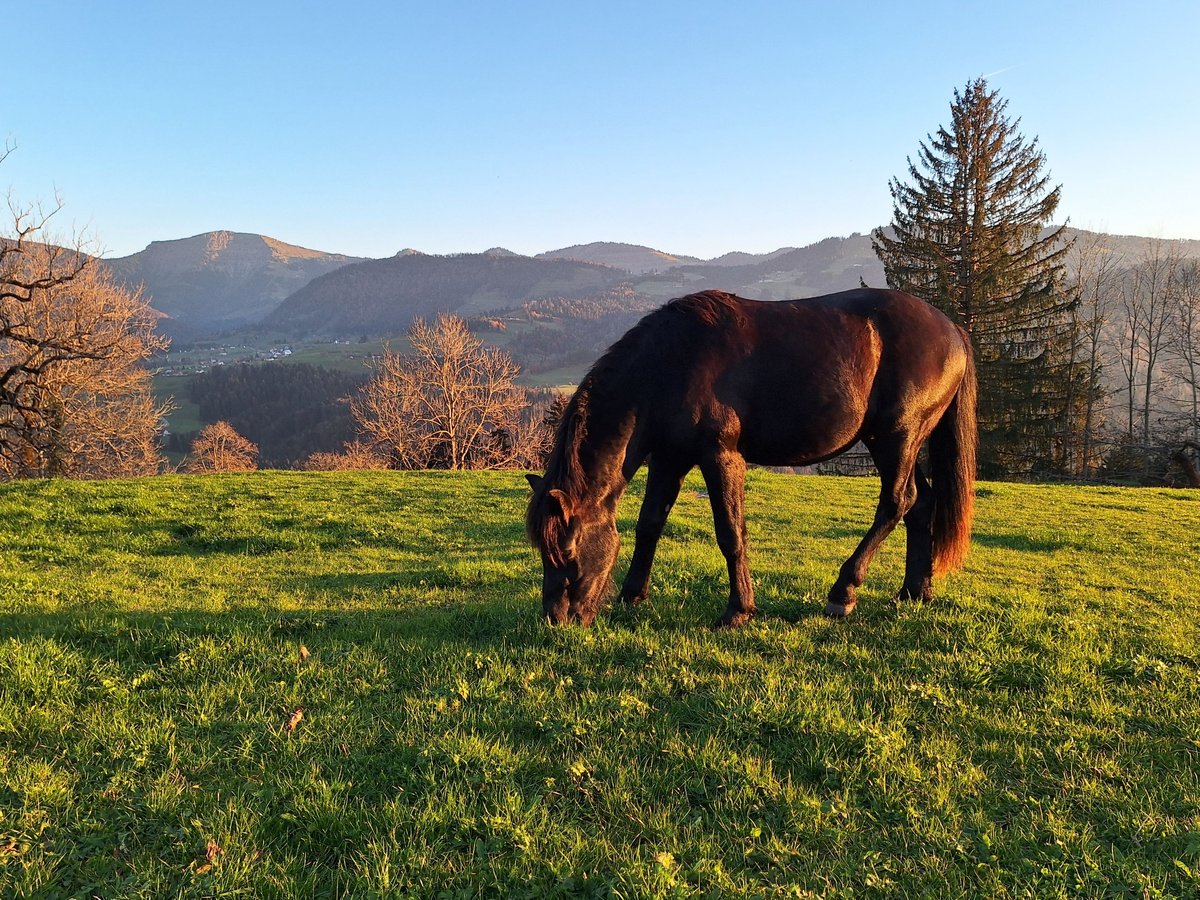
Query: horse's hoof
x: 922, y: 594
x: 839, y: 610
x: 733, y: 619
x: 632, y: 599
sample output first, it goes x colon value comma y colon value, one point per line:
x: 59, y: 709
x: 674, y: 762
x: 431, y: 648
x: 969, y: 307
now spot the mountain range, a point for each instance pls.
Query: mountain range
x: 220, y: 282
x: 380, y: 297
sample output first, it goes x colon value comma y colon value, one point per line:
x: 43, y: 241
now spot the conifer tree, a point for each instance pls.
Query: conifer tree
x: 970, y: 234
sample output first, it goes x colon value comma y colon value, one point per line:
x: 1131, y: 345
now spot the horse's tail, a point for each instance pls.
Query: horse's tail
x: 952, y: 457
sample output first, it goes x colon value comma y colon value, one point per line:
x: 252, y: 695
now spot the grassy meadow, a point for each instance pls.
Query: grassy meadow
x: 310, y: 684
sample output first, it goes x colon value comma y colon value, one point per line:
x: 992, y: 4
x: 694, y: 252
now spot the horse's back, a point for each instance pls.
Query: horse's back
x: 794, y: 382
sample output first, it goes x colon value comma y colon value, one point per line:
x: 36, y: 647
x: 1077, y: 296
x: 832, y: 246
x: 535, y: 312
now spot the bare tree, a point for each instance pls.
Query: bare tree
x: 1130, y: 353
x: 527, y: 442
x: 1146, y: 299
x: 355, y: 456
x: 547, y: 430
x: 75, y: 398
x: 219, y: 448
x: 449, y: 404
x: 1096, y: 272
x: 1184, y: 346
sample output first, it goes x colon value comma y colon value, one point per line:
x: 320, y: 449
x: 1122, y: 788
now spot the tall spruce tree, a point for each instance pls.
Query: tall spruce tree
x: 970, y: 235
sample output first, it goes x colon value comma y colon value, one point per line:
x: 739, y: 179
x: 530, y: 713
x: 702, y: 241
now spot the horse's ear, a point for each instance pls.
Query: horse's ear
x: 561, y: 499
x: 535, y: 481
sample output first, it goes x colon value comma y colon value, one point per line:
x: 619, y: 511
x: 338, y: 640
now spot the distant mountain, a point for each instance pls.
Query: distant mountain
x: 737, y: 258
x: 834, y: 264
x: 221, y: 280
x: 383, y: 296
x: 1132, y: 249
x: 630, y: 258
x: 639, y: 260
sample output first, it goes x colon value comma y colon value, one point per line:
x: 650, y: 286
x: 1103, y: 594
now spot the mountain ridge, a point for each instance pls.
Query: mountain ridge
x: 221, y: 281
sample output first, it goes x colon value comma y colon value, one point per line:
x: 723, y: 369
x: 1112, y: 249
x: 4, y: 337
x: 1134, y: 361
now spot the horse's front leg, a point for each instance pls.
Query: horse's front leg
x: 725, y: 476
x: 663, y: 481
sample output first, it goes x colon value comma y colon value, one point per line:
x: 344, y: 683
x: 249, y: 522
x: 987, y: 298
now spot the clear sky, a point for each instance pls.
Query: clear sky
x: 693, y: 127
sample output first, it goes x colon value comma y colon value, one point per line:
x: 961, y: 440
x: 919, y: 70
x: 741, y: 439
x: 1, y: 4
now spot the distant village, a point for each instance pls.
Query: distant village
x: 197, y: 361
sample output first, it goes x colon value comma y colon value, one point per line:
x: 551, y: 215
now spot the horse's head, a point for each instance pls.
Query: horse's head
x: 578, y: 542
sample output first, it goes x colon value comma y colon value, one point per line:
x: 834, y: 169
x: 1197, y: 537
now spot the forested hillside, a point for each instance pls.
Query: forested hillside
x: 289, y: 411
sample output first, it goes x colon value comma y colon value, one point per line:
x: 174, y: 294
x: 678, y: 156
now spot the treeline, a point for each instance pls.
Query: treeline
x: 1087, y: 363
x: 1137, y: 327
x: 290, y: 410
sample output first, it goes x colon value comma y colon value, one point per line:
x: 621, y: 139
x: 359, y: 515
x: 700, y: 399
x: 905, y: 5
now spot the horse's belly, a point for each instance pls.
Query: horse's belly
x: 803, y: 451
x: 783, y: 443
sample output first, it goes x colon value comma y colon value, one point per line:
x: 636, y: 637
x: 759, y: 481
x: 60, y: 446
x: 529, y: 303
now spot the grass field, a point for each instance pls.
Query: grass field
x: 1034, y: 732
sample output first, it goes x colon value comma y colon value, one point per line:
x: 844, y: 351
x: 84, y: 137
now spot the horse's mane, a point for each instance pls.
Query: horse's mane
x: 564, y: 471
x: 710, y: 307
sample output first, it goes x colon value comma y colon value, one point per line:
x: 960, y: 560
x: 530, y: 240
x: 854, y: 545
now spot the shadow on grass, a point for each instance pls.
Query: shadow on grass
x: 148, y: 636
x: 1027, y: 543
x: 192, y: 539
x: 444, y: 622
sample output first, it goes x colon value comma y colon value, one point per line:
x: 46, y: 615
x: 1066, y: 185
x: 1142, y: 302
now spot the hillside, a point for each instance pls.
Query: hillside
x: 221, y: 280
x: 640, y: 260
x: 834, y: 264
x: 829, y: 265
x: 383, y: 296
x: 317, y: 685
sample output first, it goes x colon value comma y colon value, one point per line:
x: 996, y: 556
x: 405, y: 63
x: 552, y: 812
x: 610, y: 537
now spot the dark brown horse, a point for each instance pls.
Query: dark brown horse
x: 716, y: 381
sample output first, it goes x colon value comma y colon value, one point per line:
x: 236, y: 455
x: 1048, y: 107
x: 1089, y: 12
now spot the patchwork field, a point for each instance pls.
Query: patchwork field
x: 310, y: 684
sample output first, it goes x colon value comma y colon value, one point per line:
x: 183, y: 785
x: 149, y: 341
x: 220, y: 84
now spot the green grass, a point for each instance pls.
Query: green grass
x: 354, y: 357
x: 564, y: 379
x: 185, y: 413
x: 1034, y: 732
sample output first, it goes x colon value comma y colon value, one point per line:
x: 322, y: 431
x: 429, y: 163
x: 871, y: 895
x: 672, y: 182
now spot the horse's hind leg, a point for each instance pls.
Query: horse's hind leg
x: 663, y: 480
x: 918, y: 559
x: 895, y: 460
x: 725, y: 476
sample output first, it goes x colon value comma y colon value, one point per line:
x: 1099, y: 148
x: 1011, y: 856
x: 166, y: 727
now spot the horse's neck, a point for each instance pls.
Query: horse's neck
x: 603, y: 452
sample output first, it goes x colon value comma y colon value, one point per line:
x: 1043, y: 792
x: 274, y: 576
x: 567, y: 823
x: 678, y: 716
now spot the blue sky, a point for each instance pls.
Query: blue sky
x: 692, y: 127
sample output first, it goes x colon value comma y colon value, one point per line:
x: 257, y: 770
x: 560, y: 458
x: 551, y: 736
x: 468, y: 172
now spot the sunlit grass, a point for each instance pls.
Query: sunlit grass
x: 1035, y: 731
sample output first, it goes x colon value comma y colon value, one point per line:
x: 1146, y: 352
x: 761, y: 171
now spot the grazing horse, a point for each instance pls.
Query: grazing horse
x: 717, y: 381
